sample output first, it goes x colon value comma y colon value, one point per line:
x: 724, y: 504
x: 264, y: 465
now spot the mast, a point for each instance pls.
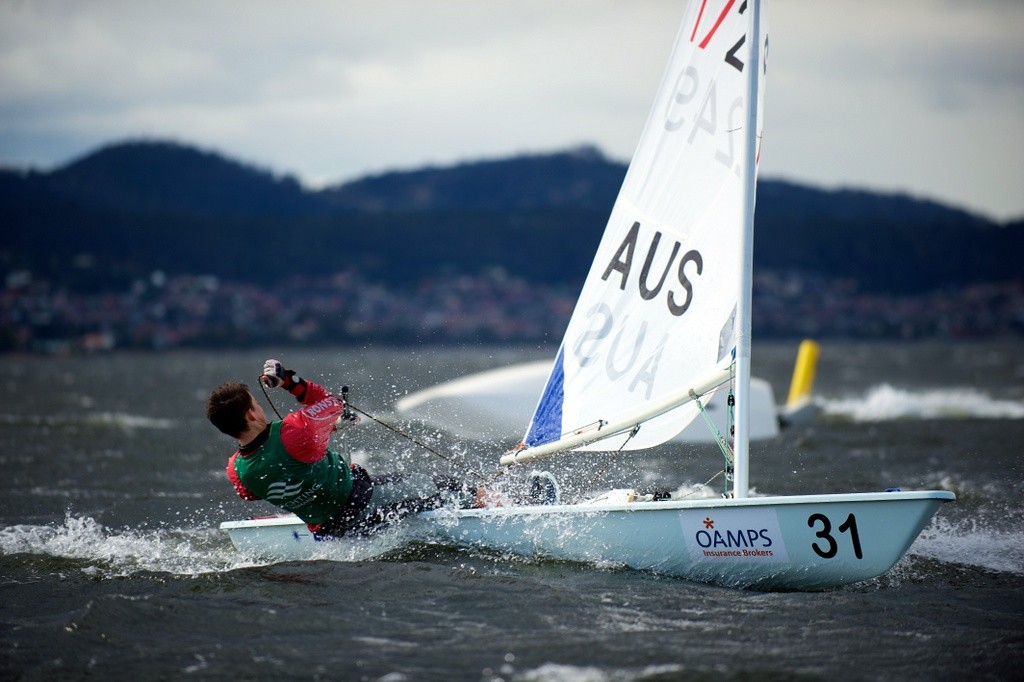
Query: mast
x: 741, y: 443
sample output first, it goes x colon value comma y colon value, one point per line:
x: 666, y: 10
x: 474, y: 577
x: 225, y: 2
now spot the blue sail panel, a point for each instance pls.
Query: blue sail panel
x: 546, y: 425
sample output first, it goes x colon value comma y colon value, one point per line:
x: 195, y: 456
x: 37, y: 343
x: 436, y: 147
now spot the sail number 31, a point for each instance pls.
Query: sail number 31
x: 831, y: 547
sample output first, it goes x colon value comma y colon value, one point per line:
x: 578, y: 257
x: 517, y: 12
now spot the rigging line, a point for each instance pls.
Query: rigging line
x: 613, y: 456
x: 719, y: 439
x: 706, y: 484
x: 728, y: 453
x: 723, y: 445
x: 486, y: 479
x: 263, y: 386
x: 730, y: 461
x: 423, y: 445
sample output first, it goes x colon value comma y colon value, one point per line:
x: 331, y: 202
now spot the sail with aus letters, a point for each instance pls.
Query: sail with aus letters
x: 658, y: 309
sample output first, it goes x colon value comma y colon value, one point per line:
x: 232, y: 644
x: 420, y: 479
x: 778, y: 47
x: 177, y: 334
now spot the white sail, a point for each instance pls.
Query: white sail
x: 657, y: 311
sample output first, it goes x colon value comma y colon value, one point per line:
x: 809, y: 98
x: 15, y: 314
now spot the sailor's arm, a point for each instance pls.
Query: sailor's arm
x: 305, y: 433
x: 240, y: 488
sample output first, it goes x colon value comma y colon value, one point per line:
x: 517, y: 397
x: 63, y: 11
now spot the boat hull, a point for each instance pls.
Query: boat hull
x: 805, y: 542
x: 277, y: 537
x: 798, y: 542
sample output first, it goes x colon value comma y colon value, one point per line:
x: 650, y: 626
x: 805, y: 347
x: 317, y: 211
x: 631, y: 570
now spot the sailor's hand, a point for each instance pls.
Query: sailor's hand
x: 274, y: 373
x: 346, y: 419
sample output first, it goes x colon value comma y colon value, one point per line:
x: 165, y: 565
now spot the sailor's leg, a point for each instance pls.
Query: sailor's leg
x: 398, y: 495
x: 543, y: 488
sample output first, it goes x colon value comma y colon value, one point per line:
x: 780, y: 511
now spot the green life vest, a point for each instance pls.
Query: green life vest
x: 313, y: 492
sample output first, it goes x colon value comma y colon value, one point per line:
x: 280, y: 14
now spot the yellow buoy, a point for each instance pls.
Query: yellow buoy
x: 803, y: 372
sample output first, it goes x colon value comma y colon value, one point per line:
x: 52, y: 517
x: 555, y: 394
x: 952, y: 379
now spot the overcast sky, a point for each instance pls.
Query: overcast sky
x: 917, y: 96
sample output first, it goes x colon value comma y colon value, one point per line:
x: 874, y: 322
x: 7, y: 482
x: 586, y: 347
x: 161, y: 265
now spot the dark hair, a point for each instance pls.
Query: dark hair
x: 226, y: 407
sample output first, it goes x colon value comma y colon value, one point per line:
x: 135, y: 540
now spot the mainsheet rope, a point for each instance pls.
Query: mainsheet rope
x: 402, y: 434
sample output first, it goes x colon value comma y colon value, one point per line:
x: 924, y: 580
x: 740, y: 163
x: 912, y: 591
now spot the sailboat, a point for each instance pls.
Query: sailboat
x: 495, y: 403
x: 662, y: 323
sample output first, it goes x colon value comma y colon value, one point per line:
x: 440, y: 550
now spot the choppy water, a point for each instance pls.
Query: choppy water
x: 112, y: 567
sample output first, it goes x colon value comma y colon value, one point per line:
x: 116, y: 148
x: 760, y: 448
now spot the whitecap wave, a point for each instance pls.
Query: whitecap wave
x: 112, y: 553
x: 558, y: 672
x: 178, y: 551
x: 130, y: 421
x: 887, y: 403
x: 973, y: 544
x: 120, y: 420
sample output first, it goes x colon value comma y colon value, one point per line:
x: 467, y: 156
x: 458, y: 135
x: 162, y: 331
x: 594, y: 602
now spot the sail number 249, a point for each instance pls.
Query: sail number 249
x: 827, y: 546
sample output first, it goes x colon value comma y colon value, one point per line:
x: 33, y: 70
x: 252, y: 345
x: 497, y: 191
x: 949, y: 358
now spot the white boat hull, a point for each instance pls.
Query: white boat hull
x: 803, y: 542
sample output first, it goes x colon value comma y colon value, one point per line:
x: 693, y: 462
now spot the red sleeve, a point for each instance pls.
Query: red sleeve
x: 242, y: 491
x: 305, y: 433
x: 306, y: 392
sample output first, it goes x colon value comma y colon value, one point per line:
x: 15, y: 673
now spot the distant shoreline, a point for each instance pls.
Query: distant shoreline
x: 202, y: 312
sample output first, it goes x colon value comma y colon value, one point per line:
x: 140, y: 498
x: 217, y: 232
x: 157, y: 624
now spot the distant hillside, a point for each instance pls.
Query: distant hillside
x: 129, y: 209
x: 886, y: 242
x: 162, y: 176
x: 580, y: 178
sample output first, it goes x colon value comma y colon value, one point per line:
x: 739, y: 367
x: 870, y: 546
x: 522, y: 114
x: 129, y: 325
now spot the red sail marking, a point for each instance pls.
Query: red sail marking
x: 718, y: 22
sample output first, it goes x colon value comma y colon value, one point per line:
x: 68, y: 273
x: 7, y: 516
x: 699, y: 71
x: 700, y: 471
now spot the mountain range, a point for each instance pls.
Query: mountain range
x: 130, y: 208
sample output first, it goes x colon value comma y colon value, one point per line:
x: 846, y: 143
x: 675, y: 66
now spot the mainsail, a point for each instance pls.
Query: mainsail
x: 658, y: 309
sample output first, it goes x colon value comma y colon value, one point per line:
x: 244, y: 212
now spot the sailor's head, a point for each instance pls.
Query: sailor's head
x: 231, y: 407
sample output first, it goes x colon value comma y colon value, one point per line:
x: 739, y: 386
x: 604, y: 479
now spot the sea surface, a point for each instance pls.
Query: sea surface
x: 112, y: 565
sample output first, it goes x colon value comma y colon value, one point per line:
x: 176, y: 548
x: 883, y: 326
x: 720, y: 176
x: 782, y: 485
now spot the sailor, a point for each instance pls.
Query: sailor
x: 289, y: 462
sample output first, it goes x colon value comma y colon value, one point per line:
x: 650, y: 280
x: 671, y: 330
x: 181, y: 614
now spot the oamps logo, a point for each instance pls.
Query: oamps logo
x: 743, y: 538
x: 733, y: 535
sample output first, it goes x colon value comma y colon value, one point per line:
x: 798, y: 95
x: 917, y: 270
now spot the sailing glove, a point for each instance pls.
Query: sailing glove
x: 274, y: 375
